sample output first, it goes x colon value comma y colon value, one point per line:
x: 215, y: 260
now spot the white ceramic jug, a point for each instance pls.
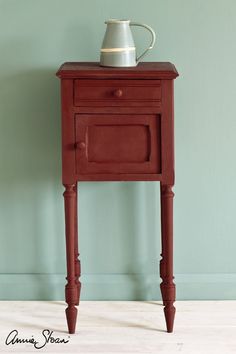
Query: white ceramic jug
x: 118, y: 47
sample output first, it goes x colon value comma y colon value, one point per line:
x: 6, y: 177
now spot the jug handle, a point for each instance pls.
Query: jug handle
x: 152, y: 41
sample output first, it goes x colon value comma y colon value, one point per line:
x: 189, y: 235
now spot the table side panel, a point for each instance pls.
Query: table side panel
x: 68, y: 132
x: 167, y: 132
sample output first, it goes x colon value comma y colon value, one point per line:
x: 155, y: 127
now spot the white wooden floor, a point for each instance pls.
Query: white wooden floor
x: 201, y: 327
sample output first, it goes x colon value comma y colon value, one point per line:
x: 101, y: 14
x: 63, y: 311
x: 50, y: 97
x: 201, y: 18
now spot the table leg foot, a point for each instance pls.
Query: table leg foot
x: 71, y: 298
x: 168, y: 293
x: 169, y: 312
x: 71, y: 316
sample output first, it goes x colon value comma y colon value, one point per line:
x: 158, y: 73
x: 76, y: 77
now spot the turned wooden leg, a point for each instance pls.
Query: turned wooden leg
x: 166, y: 264
x: 71, y: 291
x: 77, y: 261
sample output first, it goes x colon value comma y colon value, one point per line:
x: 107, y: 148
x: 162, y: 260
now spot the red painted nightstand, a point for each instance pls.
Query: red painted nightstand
x: 118, y: 125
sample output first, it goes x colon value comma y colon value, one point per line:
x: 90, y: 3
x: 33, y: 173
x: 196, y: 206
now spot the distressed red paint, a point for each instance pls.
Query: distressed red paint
x: 117, y: 125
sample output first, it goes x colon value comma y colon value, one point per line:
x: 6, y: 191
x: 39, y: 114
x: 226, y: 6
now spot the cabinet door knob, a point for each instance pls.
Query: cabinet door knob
x: 81, y: 145
x: 118, y: 93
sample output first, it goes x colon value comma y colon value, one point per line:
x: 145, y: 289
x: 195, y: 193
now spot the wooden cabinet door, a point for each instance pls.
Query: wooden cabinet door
x: 113, y: 144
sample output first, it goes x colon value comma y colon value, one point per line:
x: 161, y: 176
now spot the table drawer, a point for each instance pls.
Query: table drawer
x: 125, y: 93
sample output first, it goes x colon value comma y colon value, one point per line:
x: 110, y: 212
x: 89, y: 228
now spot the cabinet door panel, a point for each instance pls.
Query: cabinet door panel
x: 118, y: 143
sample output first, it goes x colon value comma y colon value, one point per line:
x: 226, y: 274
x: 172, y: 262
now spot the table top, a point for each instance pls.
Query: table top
x: 150, y: 70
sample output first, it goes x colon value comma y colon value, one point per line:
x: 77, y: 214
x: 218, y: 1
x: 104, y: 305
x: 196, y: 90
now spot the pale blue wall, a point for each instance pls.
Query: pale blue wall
x: 119, y: 222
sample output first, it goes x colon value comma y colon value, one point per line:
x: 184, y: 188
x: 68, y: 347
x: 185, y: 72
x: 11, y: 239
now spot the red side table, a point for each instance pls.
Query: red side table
x: 118, y: 125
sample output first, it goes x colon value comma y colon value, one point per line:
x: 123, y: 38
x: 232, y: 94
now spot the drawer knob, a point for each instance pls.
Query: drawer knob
x: 81, y: 145
x: 118, y: 93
